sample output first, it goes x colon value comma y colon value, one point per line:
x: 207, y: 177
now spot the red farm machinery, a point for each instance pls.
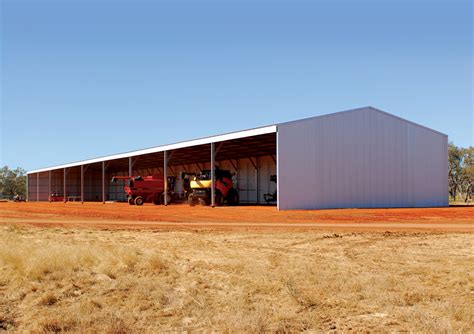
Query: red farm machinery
x: 146, y: 189
x: 191, y: 187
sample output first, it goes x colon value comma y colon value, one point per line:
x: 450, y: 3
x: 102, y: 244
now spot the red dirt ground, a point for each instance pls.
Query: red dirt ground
x: 251, y: 218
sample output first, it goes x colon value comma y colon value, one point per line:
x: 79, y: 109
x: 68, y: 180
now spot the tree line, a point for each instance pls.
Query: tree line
x: 461, y: 173
x: 12, y: 182
x: 460, y: 176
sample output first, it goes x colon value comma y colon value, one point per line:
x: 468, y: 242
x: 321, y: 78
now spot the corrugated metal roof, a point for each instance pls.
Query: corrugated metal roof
x: 184, y: 144
x: 215, y: 139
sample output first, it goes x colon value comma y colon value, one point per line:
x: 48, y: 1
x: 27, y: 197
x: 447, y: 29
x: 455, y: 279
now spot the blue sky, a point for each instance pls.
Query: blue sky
x: 81, y: 79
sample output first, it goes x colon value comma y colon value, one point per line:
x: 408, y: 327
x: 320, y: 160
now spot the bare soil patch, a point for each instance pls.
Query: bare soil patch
x: 247, y: 218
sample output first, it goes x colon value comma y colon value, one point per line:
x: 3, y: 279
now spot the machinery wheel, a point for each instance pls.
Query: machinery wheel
x: 233, y: 197
x: 204, y: 201
x: 139, y: 200
x: 219, y: 199
x: 131, y: 201
x: 191, y: 200
x: 169, y: 200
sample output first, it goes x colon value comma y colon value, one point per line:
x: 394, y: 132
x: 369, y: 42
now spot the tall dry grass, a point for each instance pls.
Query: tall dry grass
x: 119, y: 281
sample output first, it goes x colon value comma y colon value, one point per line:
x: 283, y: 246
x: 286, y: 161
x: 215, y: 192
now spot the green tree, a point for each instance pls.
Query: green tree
x: 12, y: 182
x: 461, y: 172
x: 468, y: 173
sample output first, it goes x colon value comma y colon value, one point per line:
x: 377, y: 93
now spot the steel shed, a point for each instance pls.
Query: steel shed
x: 360, y: 158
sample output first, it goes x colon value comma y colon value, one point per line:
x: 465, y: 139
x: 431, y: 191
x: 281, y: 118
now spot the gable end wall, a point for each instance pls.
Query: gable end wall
x: 360, y: 159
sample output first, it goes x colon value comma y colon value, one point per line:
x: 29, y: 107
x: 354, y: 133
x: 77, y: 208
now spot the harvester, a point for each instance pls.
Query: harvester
x: 201, y: 188
x: 146, y: 189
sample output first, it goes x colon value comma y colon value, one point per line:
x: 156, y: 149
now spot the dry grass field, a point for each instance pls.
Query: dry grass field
x: 119, y: 281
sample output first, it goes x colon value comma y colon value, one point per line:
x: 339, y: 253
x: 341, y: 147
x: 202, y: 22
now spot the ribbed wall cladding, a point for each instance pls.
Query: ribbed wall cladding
x: 364, y: 158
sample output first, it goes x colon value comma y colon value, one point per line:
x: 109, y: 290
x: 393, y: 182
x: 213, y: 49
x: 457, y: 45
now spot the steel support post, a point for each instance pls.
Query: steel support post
x: 37, y: 186
x: 82, y: 184
x: 64, y: 185
x: 49, y: 186
x: 130, y: 166
x: 165, y: 176
x: 213, y: 177
x: 257, y: 170
x: 103, y: 182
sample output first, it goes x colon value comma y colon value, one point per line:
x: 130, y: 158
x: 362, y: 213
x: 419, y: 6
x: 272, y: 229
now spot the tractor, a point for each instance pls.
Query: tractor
x: 224, y: 188
x: 146, y: 189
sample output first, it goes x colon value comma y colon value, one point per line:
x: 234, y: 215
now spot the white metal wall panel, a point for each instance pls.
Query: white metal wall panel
x: 247, y: 181
x: 93, y: 185
x: 267, y: 167
x: 73, y: 182
x: 42, y: 189
x: 362, y: 158
x: 115, y: 190
x: 43, y: 186
x: 57, y: 179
